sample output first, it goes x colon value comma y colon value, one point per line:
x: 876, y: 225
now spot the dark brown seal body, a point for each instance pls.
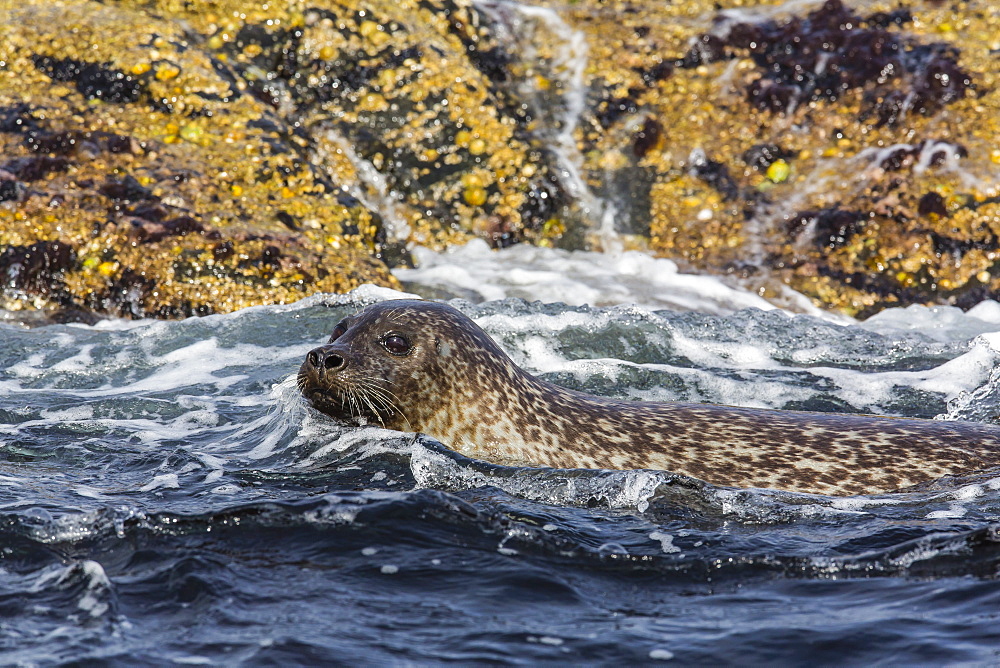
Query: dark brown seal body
x: 424, y: 366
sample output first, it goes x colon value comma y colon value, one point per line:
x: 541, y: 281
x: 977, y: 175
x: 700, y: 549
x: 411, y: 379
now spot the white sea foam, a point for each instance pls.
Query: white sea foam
x: 198, y: 363
x: 89, y: 492
x: 164, y: 481
x: 616, y: 489
x: 339, y: 510
x: 79, y: 413
x: 962, y: 374
x: 476, y: 272
x: 92, y: 602
x: 193, y: 660
x: 96, y: 584
x: 665, y: 540
x: 941, y: 323
x: 746, y: 373
x: 374, y: 439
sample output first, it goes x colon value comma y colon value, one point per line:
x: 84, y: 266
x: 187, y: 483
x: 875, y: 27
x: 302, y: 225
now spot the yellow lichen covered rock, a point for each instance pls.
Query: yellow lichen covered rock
x: 141, y: 179
x: 170, y: 158
x: 848, y: 150
x: 165, y: 158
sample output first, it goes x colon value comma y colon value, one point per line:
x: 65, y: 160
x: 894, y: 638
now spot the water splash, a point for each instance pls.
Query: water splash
x: 373, y: 190
x: 554, y: 56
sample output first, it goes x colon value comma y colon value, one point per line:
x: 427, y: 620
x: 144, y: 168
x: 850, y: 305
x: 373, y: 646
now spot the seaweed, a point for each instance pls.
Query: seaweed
x: 833, y: 50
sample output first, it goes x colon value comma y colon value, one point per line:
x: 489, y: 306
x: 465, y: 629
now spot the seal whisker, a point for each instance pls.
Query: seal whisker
x: 373, y: 385
x: 365, y: 396
x: 352, y: 398
x: 390, y: 402
x: 379, y: 399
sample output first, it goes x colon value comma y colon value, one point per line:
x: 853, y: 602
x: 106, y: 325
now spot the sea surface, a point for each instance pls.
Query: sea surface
x: 167, y: 498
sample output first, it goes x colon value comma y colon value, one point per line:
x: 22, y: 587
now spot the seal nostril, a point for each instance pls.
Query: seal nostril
x: 313, y: 358
x: 333, y: 362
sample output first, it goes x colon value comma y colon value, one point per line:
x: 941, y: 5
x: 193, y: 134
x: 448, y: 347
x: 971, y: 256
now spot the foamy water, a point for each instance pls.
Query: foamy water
x: 475, y: 272
x: 157, y: 477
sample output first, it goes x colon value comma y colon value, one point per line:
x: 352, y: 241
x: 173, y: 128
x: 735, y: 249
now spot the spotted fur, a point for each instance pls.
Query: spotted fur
x: 457, y: 385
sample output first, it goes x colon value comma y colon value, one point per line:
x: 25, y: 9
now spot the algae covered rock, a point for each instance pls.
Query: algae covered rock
x: 846, y: 150
x: 141, y: 179
x: 423, y: 93
x: 169, y: 158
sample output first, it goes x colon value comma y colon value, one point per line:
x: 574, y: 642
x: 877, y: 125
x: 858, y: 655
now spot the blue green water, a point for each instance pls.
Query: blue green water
x: 166, y: 497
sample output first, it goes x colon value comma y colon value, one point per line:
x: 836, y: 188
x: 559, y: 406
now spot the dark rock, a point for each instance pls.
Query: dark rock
x: 36, y: 168
x: 501, y: 234
x: 932, y: 203
x: 771, y: 96
x: 959, y: 247
x: 716, y: 175
x: 611, y: 109
x: 762, y: 156
x: 223, y: 250
x: 493, y: 62
x: 126, y: 296
x: 658, y: 72
x: 271, y: 256
x: 938, y: 79
x: 17, y: 118
x: 830, y: 228
x: 10, y: 190
x: 126, y: 189
x: 647, y: 137
x: 832, y: 50
x: 93, y: 80
x: 897, y: 17
x: 908, y: 156
x: 287, y: 220
x: 544, y: 200
x: 36, y: 269
x: 73, y: 141
x: 147, y: 232
x: 706, y: 48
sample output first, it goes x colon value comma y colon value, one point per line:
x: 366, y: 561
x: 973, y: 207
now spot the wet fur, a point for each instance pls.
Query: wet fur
x: 458, y: 386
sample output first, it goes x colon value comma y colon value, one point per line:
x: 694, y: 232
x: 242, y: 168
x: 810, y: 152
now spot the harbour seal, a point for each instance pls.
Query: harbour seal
x: 424, y: 366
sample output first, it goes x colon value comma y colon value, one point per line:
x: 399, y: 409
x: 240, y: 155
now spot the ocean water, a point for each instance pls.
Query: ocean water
x: 167, y: 498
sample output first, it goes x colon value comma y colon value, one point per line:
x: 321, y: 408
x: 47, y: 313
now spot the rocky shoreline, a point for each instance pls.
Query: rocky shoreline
x: 168, y: 159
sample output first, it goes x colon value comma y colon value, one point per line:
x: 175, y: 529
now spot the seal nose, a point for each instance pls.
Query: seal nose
x: 324, y: 359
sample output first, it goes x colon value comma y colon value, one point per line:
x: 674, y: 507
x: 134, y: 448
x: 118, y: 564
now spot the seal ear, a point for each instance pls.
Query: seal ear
x: 338, y: 331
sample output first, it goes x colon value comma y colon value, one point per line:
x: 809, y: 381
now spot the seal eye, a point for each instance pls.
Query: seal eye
x: 396, y: 344
x: 338, y: 332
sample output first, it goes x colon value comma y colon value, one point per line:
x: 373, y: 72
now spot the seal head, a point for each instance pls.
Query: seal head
x: 393, y: 362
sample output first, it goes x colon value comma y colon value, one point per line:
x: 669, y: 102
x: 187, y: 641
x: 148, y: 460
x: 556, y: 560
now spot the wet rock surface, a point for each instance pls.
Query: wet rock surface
x: 196, y: 159
x: 130, y: 156
x: 167, y: 158
x: 848, y: 150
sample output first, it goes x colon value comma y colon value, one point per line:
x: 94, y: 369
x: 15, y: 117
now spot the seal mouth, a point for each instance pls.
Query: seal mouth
x: 327, y: 401
x: 352, y: 404
x: 349, y: 391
